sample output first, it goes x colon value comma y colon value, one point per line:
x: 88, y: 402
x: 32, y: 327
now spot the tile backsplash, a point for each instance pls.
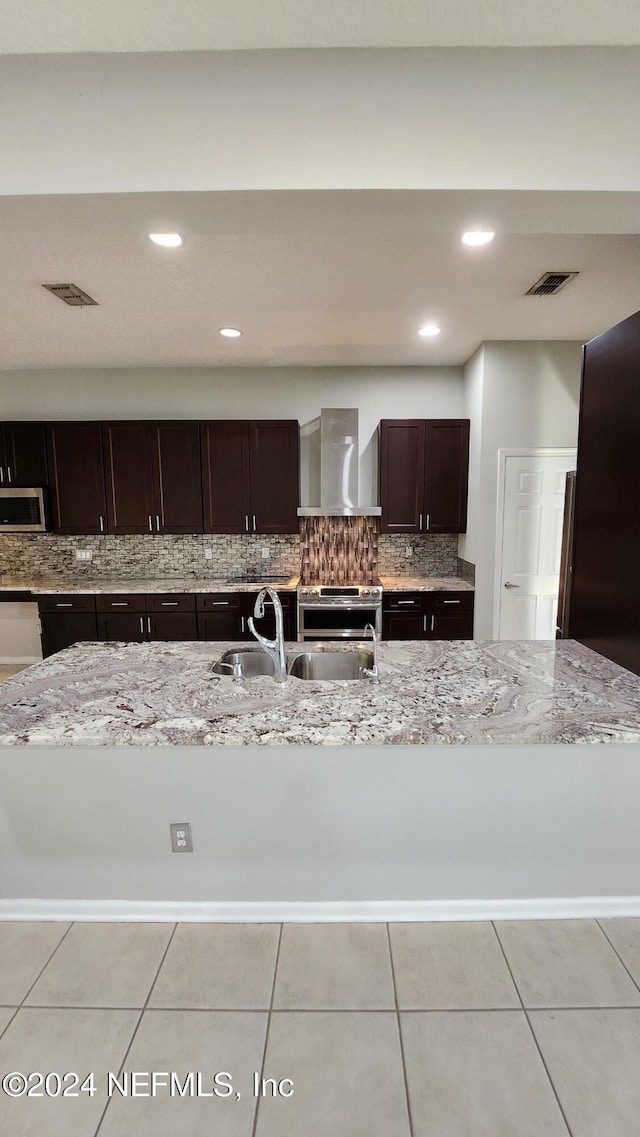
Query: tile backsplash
x: 354, y: 549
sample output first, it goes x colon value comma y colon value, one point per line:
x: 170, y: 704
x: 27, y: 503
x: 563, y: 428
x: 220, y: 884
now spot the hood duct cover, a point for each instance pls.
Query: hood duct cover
x: 339, y: 457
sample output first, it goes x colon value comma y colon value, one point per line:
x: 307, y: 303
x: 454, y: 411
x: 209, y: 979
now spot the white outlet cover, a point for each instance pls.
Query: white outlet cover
x: 208, y: 554
x: 265, y: 552
x: 84, y: 555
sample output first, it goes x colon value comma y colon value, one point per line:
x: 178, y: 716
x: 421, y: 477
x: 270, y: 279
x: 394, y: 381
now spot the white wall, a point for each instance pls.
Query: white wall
x: 210, y: 392
x: 530, y: 398
x: 396, y: 118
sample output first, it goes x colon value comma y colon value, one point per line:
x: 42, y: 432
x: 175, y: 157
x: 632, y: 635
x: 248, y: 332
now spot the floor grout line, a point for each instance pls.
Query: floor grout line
x: 325, y: 1010
x: 137, y: 1026
x: 266, y: 1035
x: 614, y: 949
x: 532, y: 1032
x: 60, y: 941
x: 400, y: 1038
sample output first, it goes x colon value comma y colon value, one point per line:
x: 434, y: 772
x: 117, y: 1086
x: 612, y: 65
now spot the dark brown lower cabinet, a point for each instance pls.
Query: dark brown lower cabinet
x: 224, y: 616
x: 427, y: 616
x: 60, y: 630
x: 130, y: 627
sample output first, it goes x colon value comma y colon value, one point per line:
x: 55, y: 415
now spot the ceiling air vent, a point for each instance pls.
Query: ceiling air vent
x: 550, y: 283
x: 71, y: 294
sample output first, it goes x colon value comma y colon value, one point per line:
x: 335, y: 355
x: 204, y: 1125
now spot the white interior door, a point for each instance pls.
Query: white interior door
x: 533, y: 502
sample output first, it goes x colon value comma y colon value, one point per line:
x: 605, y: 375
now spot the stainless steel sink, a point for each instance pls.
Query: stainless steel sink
x: 253, y: 661
x: 342, y: 665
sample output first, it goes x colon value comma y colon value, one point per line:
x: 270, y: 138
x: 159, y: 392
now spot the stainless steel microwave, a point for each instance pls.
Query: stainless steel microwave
x: 23, y: 511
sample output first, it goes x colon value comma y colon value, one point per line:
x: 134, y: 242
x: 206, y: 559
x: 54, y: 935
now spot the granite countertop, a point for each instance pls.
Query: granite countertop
x: 42, y: 586
x: 430, y: 692
x: 425, y: 584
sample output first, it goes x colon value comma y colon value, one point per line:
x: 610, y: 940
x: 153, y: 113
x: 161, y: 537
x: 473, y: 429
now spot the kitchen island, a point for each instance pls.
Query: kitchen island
x: 475, y: 778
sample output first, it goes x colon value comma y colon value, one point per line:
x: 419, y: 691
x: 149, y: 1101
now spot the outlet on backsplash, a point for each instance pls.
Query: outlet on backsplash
x: 84, y: 555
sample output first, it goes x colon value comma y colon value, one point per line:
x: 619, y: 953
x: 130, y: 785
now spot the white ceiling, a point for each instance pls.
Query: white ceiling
x: 312, y: 278
x: 211, y: 25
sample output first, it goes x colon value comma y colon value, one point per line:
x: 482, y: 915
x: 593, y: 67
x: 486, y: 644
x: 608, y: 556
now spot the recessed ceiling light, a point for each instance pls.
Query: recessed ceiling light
x: 429, y: 330
x: 167, y: 240
x: 231, y: 333
x: 476, y: 237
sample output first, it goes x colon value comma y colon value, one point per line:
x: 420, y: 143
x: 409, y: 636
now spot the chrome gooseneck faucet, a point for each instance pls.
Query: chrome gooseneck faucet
x: 274, y: 648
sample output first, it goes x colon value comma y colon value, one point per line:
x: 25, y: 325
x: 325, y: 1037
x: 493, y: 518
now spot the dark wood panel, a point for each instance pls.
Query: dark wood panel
x: 446, y: 475
x: 450, y: 602
x: 274, y: 475
x: 67, y: 602
x: 129, y: 627
x: 403, y: 601
x: 60, y: 631
x: 129, y: 477
x: 402, y: 625
x: 458, y: 626
x: 225, y: 476
x: 25, y: 453
x: 604, y: 613
x: 177, y: 478
x: 76, y: 477
x: 121, y: 602
x: 173, y: 626
x: 402, y: 475
x: 171, y: 602
x: 222, y: 625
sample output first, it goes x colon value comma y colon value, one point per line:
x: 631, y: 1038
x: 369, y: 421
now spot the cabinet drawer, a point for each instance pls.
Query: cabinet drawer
x: 171, y: 602
x: 288, y: 600
x: 221, y: 601
x: 403, y: 601
x: 71, y: 602
x: 121, y: 602
x: 452, y: 602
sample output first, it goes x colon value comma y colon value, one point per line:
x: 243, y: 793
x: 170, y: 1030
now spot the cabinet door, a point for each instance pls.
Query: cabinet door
x: 450, y: 616
x: 176, y: 476
x: 129, y: 627
x: 129, y: 477
x: 402, y: 475
x: 446, y: 475
x: 229, y: 625
x: 225, y: 476
x: 76, y: 477
x: 401, y: 625
x: 25, y: 454
x: 60, y: 631
x: 172, y: 626
x: 275, y: 477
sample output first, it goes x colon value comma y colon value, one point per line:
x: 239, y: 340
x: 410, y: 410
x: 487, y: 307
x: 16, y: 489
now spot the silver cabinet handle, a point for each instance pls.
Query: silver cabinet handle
x: 149, y: 624
x: 433, y: 623
x: 168, y: 603
x: 453, y: 601
x: 119, y: 603
x: 101, y: 523
x: 8, y: 473
x: 219, y: 604
x: 59, y: 605
x: 242, y: 623
x: 150, y: 524
x: 254, y: 523
x: 420, y: 522
x: 426, y: 521
x: 405, y: 602
x: 424, y: 623
x: 246, y: 522
x: 157, y: 522
x: 142, y: 625
x: 508, y: 584
x: 1, y: 474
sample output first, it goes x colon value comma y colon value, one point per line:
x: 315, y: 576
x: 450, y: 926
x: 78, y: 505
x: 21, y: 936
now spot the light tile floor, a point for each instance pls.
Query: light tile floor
x: 518, y: 1029
x: 6, y: 670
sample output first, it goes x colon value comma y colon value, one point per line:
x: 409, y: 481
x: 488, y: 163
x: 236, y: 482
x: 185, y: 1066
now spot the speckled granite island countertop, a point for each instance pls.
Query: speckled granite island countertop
x: 437, y: 692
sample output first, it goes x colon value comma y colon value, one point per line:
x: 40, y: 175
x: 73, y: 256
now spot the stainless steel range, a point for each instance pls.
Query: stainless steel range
x: 338, y: 611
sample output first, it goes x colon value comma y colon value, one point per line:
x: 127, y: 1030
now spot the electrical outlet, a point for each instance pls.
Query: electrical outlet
x: 181, y: 840
x: 208, y: 554
x: 408, y: 551
x: 265, y: 553
x: 84, y: 555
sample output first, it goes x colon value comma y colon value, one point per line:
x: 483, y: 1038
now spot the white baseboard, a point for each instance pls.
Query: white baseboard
x: 276, y: 911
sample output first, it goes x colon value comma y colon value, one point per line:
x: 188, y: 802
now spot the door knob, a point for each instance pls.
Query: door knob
x: 508, y: 584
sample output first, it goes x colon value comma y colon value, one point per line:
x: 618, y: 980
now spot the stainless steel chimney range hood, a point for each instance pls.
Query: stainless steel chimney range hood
x: 339, y: 456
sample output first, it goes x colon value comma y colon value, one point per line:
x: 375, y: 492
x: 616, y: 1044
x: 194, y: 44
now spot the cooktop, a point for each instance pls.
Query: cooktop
x: 253, y: 578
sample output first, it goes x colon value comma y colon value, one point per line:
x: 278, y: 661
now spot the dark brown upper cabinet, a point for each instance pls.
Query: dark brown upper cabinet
x: 424, y: 472
x: 152, y: 472
x: 23, y: 459
x: 250, y: 476
x: 76, y: 477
